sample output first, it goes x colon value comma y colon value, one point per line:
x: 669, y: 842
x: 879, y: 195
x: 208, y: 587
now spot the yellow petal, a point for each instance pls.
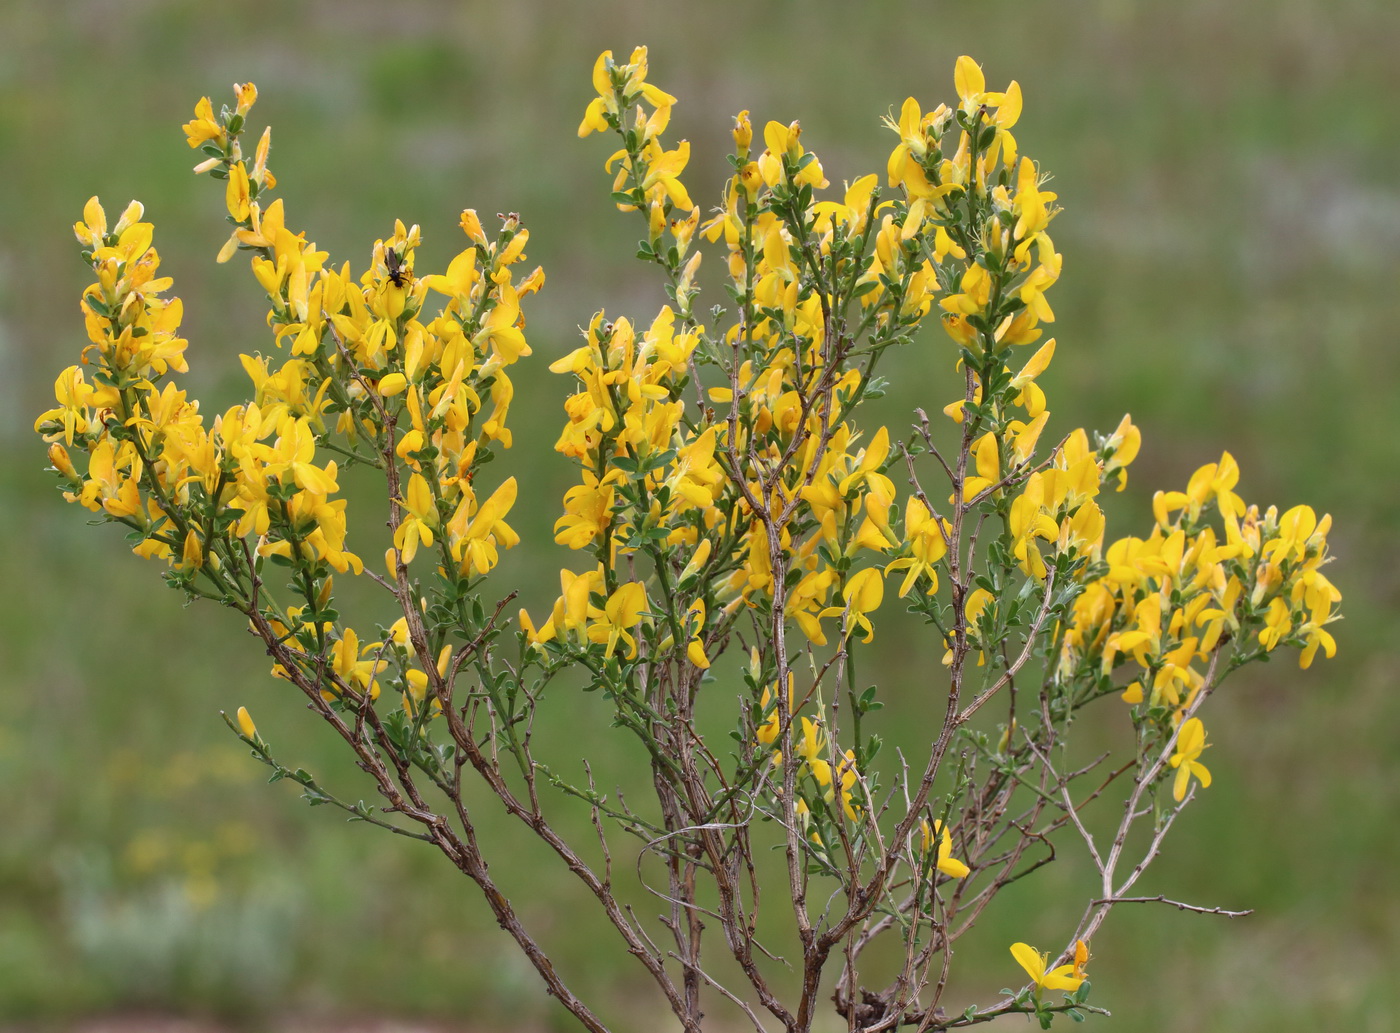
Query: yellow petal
x: 969, y: 81
x: 602, y: 79
x: 953, y: 868
x: 1062, y: 978
x: 1027, y: 957
x: 1009, y: 113
x: 696, y: 652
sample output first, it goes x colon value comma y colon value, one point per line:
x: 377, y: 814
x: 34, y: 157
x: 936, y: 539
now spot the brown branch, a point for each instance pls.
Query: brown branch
x: 1174, y: 903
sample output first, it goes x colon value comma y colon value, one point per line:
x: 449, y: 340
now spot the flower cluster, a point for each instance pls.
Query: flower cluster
x: 1213, y: 573
x: 368, y: 375
x: 782, y: 508
x: 726, y: 493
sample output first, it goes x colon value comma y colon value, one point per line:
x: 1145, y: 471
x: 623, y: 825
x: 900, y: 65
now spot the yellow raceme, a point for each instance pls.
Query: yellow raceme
x: 259, y: 472
x: 451, y: 364
x: 628, y: 407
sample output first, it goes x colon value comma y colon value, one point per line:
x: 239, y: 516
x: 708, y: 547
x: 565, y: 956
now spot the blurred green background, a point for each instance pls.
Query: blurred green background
x: 1231, y: 237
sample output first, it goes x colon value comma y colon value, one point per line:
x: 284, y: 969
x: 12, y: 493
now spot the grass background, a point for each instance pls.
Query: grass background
x: 1232, y: 244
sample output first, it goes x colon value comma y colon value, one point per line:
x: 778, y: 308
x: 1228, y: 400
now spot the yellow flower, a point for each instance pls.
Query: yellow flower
x: 811, y: 748
x: 1295, y: 530
x: 1190, y: 742
x: 622, y: 610
x: 767, y: 732
x: 502, y: 327
x: 1081, y: 957
x: 695, y: 649
x: 421, y: 518
x: 1278, y: 622
x: 247, y: 95
x: 1125, y: 442
x: 63, y: 463
x: 1031, y: 396
x: 236, y: 194
x: 988, y: 462
x: 74, y: 396
x: 1217, y: 481
x: 1314, y: 635
x: 357, y: 673
x: 1030, y: 520
x: 203, y: 127
x: 663, y: 174
x: 192, y: 558
x: 697, y: 561
x: 474, y: 538
x: 106, y: 487
x: 944, y: 860
x: 291, y: 454
x: 634, y: 84
x: 864, y: 593
x: 1064, y: 977
x: 743, y: 133
x: 969, y: 82
x: 245, y: 723
x: 588, y: 510
x: 392, y: 384
x: 846, y: 774
x: 927, y: 539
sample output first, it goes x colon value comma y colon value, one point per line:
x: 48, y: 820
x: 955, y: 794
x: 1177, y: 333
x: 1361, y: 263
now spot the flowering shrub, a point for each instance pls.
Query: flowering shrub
x: 727, y: 501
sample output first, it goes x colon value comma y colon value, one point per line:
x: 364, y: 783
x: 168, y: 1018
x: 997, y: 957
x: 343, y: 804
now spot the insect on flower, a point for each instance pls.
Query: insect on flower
x: 395, y: 269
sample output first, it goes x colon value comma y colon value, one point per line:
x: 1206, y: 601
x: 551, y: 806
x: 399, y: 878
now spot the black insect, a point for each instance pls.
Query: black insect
x: 393, y: 265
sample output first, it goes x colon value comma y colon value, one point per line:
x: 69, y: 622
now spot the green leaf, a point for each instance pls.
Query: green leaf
x: 872, y: 747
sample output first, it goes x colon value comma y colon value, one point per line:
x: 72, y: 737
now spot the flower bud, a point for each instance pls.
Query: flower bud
x: 471, y: 225
x: 192, y: 557
x: 743, y: 134
x: 129, y: 217
x: 245, y: 723
x: 247, y: 94
x: 58, y: 455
